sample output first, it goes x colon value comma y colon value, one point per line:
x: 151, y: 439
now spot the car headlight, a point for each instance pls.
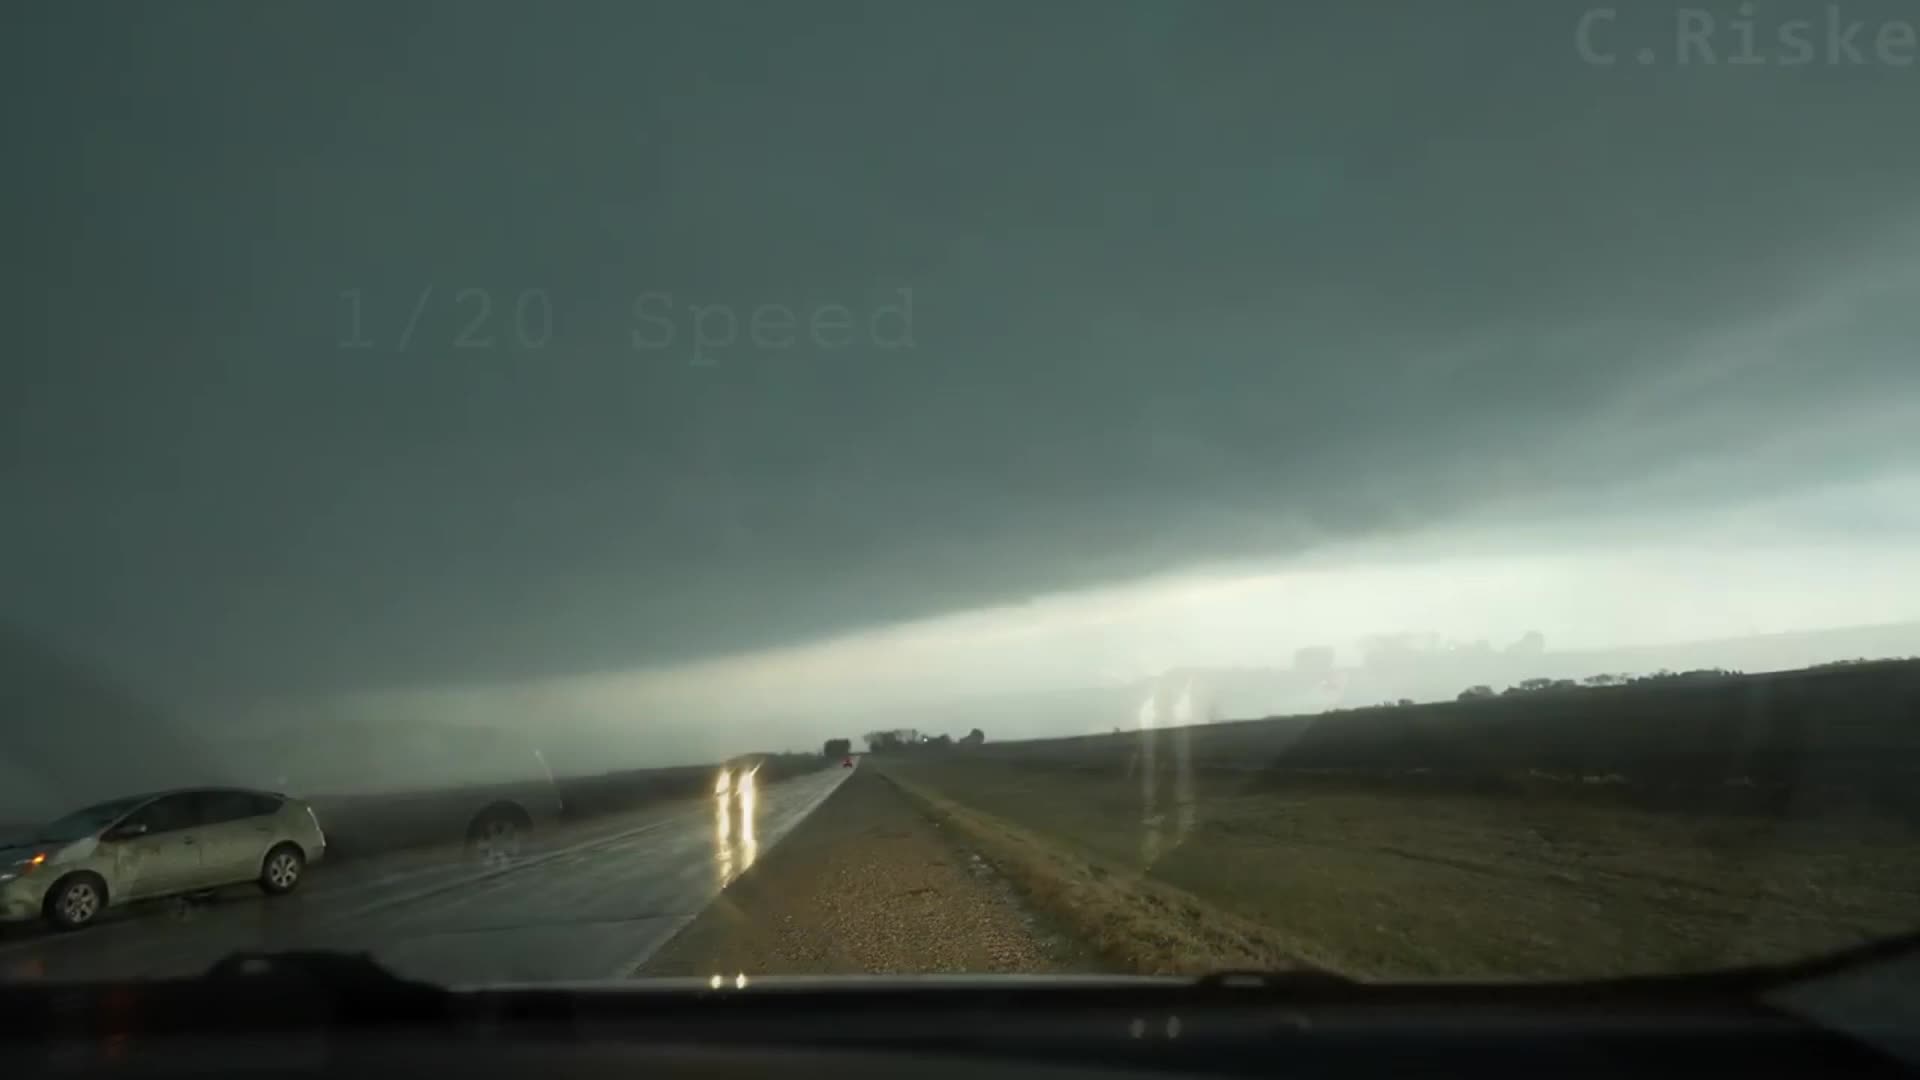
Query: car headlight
x: 20, y: 867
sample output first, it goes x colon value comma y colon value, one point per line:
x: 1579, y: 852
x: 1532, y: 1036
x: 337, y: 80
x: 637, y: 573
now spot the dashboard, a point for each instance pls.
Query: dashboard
x: 327, y: 1025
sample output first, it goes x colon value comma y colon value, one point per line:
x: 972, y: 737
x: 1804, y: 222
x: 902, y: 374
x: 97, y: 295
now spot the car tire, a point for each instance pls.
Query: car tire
x: 75, y: 901
x: 498, y: 834
x: 282, y: 869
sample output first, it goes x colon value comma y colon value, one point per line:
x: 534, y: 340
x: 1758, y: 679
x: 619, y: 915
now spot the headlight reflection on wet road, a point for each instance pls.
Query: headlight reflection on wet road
x: 735, y: 845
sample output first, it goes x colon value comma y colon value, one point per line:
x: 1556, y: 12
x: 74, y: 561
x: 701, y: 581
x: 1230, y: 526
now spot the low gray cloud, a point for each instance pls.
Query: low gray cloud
x: 1188, y: 283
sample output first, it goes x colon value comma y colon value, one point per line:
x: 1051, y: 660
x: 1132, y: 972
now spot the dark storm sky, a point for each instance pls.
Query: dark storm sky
x: 1188, y: 282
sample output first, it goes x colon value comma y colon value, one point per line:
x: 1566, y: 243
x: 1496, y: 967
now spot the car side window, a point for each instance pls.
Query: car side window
x: 170, y: 814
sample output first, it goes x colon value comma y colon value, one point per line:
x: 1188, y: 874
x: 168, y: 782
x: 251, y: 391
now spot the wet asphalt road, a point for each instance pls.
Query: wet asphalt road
x: 587, y: 901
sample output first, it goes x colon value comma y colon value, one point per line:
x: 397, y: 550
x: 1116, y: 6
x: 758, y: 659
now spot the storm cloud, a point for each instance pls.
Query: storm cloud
x: 322, y: 371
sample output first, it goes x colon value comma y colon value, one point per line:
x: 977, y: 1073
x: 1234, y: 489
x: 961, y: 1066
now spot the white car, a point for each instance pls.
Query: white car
x: 155, y: 845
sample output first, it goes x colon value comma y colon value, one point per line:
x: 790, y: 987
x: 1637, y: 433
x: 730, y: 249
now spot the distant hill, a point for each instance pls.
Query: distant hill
x: 1826, y: 738
x: 1442, y: 674
x: 1243, y: 692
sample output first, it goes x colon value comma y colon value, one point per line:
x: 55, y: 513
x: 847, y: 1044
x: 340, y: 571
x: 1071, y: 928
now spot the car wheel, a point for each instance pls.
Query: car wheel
x: 282, y: 869
x: 498, y: 835
x: 75, y: 901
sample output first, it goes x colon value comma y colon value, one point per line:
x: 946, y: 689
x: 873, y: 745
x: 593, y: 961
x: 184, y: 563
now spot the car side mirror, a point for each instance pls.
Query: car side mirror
x: 126, y: 832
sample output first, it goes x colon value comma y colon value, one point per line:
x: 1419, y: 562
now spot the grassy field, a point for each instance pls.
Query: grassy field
x: 1222, y: 853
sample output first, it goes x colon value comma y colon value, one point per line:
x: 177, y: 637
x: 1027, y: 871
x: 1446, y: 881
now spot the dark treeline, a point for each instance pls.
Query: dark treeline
x: 899, y: 740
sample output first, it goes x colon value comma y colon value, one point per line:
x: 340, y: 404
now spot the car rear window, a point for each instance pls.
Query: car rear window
x: 218, y: 806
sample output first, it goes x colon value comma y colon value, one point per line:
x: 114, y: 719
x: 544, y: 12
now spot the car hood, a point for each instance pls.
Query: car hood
x: 57, y: 852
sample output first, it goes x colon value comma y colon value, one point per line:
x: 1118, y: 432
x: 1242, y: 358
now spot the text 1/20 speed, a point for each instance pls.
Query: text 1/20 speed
x: 471, y: 319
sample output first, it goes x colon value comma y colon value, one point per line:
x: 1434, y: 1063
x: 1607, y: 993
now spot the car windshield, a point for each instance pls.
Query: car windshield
x: 84, y: 823
x: 731, y: 488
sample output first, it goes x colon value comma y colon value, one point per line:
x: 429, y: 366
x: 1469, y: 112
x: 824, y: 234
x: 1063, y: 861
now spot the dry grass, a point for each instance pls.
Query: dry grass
x: 1205, y: 873
x: 1133, y: 924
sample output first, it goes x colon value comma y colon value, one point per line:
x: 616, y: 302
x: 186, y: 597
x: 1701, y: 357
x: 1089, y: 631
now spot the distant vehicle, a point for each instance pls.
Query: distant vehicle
x: 847, y: 764
x: 161, y: 844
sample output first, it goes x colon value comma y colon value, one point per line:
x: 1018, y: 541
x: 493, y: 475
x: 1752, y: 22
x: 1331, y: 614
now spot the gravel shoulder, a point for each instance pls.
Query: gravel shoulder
x: 866, y: 885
